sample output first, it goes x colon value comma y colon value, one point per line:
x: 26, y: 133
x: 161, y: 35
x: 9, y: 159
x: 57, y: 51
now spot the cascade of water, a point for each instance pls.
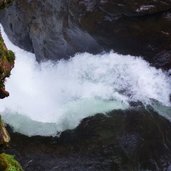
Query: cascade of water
x: 49, y: 97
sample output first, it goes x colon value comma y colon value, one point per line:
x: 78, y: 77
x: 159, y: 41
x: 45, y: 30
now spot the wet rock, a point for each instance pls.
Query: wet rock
x: 8, y: 163
x: 4, y: 135
x: 161, y: 59
x: 130, y: 32
x: 4, y: 3
x: 136, y: 139
x: 127, y: 8
x: 47, y: 28
x: 7, y: 58
x: 58, y: 29
x: 3, y: 93
x: 6, y: 64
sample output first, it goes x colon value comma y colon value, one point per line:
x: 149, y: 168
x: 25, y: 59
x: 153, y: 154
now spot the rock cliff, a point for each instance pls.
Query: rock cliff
x: 56, y: 29
x: 6, y: 64
x: 7, y: 58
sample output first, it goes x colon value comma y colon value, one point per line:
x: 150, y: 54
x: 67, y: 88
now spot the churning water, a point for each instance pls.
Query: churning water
x: 50, y: 97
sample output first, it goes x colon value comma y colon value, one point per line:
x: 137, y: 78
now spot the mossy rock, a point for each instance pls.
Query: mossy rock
x: 8, y: 163
x: 10, y: 56
x: 7, y: 59
x: 5, y: 54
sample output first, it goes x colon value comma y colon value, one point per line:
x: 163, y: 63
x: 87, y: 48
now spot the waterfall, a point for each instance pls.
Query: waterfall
x: 50, y: 97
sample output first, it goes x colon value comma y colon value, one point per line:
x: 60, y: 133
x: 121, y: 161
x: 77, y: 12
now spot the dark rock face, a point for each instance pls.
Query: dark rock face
x: 4, y: 3
x: 129, y: 140
x: 56, y: 29
x: 131, y: 28
x: 47, y: 28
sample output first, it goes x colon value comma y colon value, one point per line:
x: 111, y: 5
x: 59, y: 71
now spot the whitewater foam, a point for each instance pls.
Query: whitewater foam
x: 50, y: 97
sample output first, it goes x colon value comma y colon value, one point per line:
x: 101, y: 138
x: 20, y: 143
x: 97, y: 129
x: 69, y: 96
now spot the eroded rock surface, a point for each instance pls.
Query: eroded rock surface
x: 7, y: 58
x: 56, y: 29
x: 135, y: 139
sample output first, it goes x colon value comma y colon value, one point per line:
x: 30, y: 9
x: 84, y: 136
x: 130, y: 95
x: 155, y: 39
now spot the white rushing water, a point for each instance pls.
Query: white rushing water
x: 50, y: 97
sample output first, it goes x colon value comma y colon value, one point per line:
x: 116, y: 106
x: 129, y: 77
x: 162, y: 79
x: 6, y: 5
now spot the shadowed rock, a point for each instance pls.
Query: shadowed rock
x: 135, y: 139
x: 59, y: 29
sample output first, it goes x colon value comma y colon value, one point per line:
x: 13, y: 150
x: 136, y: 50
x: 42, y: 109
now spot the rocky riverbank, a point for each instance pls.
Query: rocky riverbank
x: 7, y: 57
x: 135, y: 139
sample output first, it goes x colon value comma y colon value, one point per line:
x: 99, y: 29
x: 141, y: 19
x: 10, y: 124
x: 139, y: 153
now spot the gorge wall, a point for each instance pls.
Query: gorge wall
x: 58, y: 29
x: 7, y: 57
x: 134, y: 139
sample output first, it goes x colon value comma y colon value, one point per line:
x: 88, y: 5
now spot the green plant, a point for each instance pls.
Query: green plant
x: 10, y: 56
x: 1, y: 84
x: 8, y: 163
